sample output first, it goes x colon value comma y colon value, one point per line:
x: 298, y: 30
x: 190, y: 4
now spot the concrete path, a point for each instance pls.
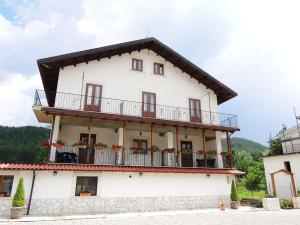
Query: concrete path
x: 245, y: 216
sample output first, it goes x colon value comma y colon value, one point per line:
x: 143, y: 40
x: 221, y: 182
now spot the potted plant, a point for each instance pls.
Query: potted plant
x: 59, y: 143
x: 45, y: 144
x: 2, y: 194
x: 154, y: 148
x: 222, y: 206
x: 170, y: 150
x: 85, y: 193
x: 79, y: 144
x: 100, y: 146
x: 116, y: 148
x: 234, y: 203
x: 200, y: 152
x: 18, y: 202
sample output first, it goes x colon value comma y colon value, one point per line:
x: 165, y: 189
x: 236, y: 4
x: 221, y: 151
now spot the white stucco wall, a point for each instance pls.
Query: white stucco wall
x: 282, y: 181
x: 123, y: 184
x: 120, y: 82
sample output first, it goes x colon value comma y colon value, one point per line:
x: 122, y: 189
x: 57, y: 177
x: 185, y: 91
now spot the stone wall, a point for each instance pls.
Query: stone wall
x: 83, y: 205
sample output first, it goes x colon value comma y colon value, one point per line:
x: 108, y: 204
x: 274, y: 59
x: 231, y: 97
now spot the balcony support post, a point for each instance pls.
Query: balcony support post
x: 219, y: 149
x: 204, y: 147
x: 121, y: 142
x: 54, y: 137
x: 229, y: 148
x: 151, y: 139
x: 177, y: 146
x: 89, y: 141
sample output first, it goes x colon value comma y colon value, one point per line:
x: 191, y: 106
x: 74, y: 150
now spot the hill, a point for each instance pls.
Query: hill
x: 22, y: 144
x: 244, y: 144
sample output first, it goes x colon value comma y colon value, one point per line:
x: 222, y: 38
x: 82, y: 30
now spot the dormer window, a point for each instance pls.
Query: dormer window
x: 137, y: 64
x: 158, y: 68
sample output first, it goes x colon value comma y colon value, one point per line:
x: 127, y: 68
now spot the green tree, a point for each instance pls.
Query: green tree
x: 254, y: 179
x: 275, y: 147
x: 19, y: 197
x: 242, y: 160
x: 256, y: 155
x: 233, y: 194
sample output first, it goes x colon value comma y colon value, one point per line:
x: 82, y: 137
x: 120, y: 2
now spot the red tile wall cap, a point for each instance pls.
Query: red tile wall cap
x: 72, y: 167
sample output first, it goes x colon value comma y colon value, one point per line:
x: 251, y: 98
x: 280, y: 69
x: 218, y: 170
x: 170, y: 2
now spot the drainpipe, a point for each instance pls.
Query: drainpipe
x: 30, y: 197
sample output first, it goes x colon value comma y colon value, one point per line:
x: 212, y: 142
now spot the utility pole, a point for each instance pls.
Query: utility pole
x: 297, y: 118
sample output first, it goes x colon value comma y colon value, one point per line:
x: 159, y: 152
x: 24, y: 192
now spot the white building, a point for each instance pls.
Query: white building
x: 135, y: 127
x: 283, y: 170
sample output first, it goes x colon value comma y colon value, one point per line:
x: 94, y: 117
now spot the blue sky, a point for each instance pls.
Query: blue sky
x: 251, y: 46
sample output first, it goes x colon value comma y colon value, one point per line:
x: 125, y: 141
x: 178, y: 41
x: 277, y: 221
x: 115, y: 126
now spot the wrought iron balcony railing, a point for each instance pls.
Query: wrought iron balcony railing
x: 129, y: 157
x: 134, y: 108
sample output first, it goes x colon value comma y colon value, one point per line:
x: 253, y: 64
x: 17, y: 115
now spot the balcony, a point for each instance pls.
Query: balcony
x: 134, y: 109
x: 137, y: 157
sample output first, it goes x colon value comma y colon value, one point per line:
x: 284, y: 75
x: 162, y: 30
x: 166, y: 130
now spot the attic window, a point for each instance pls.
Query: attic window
x: 137, y: 64
x: 158, y: 68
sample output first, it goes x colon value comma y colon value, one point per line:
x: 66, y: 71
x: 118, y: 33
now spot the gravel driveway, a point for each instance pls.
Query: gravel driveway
x: 283, y: 217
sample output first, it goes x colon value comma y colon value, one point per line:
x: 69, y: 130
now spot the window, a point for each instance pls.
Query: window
x: 195, y: 110
x: 86, y: 184
x: 149, y: 104
x: 137, y: 64
x: 287, y: 166
x: 6, y: 183
x: 93, y: 97
x: 140, y: 146
x: 158, y: 68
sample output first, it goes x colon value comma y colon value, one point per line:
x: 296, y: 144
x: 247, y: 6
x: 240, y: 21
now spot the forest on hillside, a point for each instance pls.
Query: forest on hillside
x: 22, y: 144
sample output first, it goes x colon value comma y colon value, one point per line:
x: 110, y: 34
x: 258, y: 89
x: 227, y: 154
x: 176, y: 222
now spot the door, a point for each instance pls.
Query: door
x: 90, y: 150
x: 195, y: 110
x: 93, y: 94
x: 149, y: 104
x: 186, y: 154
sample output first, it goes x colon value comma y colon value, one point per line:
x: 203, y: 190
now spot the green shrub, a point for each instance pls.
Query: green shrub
x: 19, y: 197
x: 286, y: 204
x: 234, y: 194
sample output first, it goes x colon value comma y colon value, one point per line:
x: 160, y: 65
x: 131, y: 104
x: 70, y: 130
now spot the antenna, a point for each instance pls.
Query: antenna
x: 149, y: 30
x: 297, y: 118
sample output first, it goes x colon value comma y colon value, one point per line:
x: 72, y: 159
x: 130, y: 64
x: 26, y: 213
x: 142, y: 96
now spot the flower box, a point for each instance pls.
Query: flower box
x: 100, y: 146
x: 57, y: 145
x: 85, y: 194
x: 170, y: 150
x: 116, y: 148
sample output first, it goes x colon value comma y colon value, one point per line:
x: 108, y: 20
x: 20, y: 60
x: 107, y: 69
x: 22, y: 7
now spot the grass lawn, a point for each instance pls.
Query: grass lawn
x: 244, y: 193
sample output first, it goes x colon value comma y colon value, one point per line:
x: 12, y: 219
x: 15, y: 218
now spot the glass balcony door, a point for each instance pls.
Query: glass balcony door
x: 93, y: 97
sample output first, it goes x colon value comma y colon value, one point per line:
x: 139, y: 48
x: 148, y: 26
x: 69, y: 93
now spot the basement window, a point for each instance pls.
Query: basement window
x: 287, y: 166
x: 6, y: 183
x: 137, y: 64
x: 86, y: 186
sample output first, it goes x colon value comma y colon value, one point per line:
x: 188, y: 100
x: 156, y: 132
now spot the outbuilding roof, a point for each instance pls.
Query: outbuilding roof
x: 101, y: 168
x: 49, y: 67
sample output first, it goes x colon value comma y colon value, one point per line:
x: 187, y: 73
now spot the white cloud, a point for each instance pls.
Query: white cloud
x: 16, y: 98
